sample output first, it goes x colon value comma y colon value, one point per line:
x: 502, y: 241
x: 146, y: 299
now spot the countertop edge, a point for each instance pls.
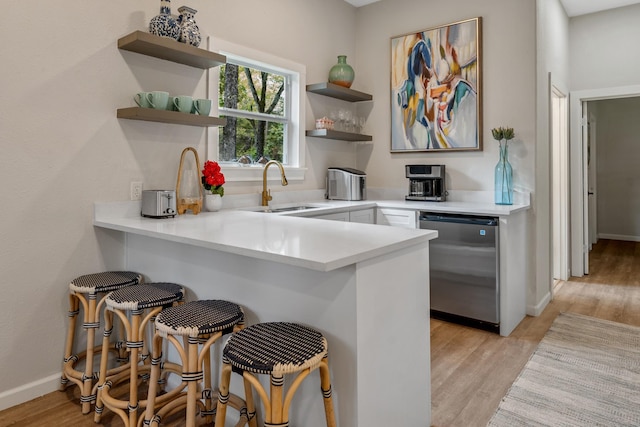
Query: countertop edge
x: 416, y: 237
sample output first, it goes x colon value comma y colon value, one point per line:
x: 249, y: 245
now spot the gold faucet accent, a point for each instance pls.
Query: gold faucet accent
x: 266, y: 194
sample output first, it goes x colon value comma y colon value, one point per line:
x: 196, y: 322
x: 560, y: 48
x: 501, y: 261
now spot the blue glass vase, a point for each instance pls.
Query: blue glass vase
x: 504, y: 178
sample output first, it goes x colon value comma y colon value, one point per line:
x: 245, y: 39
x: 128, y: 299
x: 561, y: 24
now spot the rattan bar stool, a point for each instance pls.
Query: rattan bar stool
x: 84, y: 291
x: 199, y: 324
x: 136, y: 307
x: 275, y: 349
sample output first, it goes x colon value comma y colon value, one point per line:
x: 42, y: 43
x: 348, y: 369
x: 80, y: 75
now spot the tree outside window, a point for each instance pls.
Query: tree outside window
x: 253, y: 101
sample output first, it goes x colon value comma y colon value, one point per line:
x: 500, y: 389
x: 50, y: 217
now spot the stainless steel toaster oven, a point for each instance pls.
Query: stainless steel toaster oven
x: 346, y: 184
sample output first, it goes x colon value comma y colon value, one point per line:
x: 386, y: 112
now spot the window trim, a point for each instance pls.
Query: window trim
x: 296, y: 143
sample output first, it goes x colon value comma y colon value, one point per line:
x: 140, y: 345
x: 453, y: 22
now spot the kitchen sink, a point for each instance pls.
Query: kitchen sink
x: 292, y: 208
x: 282, y: 209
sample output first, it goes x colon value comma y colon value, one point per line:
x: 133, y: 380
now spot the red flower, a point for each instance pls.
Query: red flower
x: 212, y: 177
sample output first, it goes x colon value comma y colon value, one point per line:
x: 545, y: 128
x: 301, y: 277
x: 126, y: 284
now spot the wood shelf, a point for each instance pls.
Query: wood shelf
x: 339, y: 92
x: 336, y: 134
x: 170, y: 50
x: 165, y: 116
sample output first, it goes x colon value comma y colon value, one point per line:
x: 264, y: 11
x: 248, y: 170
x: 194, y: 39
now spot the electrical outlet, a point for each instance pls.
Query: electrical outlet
x: 136, y: 190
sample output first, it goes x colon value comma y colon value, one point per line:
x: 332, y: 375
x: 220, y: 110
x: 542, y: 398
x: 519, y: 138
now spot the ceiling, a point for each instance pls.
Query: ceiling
x: 582, y: 7
x: 572, y: 7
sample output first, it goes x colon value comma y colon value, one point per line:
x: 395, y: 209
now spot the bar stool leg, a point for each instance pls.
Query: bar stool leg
x: 325, y: 385
x: 207, y: 392
x: 74, y: 310
x: 250, y: 403
x: 194, y: 375
x: 251, y: 406
x: 223, y: 395
x: 91, y: 323
x: 156, y: 360
x: 108, y: 326
x: 135, y: 344
x: 275, y: 416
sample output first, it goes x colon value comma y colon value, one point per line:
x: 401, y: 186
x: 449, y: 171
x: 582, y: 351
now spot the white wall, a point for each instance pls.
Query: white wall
x: 63, y: 148
x: 617, y: 173
x: 602, y: 52
x: 508, y: 88
x: 509, y: 96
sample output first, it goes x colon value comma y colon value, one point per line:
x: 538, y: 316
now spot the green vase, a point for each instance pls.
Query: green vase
x: 342, y: 74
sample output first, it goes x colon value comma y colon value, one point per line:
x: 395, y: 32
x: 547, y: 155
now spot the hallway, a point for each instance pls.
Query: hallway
x: 615, y: 262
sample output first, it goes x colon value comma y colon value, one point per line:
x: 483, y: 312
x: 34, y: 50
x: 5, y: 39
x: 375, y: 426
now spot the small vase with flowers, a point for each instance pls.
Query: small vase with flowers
x: 212, y: 181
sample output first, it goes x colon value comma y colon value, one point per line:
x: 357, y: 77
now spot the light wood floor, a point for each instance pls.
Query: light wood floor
x: 470, y: 369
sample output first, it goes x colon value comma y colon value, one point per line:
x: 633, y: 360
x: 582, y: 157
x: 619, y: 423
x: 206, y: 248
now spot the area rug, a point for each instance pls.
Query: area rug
x: 585, y: 372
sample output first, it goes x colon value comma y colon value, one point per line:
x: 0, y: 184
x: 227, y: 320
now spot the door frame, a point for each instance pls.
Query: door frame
x: 559, y: 137
x: 579, y: 200
x: 592, y: 181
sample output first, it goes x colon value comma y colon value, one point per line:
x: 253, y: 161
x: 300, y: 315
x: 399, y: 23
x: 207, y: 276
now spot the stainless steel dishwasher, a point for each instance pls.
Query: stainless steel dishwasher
x: 464, y: 268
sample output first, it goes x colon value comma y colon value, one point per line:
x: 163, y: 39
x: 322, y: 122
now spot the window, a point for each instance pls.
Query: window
x: 254, y: 102
x: 260, y: 95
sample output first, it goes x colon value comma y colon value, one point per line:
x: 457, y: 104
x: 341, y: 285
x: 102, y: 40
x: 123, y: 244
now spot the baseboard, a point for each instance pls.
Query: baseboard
x: 536, y: 310
x: 619, y: 237
x: 29, y: 391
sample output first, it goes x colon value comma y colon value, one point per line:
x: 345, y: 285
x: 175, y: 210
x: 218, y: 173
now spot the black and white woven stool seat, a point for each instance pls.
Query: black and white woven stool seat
x: 144, y: 296
x: 199, y: 317
x: 104, y: 282
x: 275, y: 348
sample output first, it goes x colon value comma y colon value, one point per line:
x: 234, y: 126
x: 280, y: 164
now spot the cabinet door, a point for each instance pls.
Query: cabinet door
x: 341, y: 216
x: 397, y: 217
x: 365, y: 216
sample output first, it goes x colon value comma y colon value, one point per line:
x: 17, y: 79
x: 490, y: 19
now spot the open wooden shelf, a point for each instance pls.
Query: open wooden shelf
x: 171, y: 50
x: 165, y: 116
x: 339, y: 92
x: 336, y: 134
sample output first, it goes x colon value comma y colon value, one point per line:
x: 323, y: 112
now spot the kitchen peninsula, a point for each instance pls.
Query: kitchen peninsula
x: 364, y: 286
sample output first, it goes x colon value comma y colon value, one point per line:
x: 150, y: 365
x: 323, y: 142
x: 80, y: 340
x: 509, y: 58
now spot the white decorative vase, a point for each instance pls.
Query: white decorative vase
x: 189, y: 31
x: 213, y: 202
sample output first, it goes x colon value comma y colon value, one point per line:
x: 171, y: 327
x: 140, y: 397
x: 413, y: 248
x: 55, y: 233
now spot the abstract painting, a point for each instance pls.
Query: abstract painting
x: 436, y: 89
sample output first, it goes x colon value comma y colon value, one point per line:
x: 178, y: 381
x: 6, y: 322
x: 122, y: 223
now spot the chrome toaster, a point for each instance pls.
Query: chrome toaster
x: 158, y: 203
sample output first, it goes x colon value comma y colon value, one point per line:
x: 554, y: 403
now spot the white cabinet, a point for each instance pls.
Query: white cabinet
x: 340, y: 216
x: 397, y: 217
x: 364, y: 216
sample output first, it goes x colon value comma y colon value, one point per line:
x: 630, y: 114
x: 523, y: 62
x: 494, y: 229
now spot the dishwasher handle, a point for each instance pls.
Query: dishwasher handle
x: 459, y: 219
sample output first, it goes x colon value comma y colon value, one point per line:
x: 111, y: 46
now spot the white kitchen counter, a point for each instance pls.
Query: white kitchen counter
x: 317, y: 245
x: 364, y: 286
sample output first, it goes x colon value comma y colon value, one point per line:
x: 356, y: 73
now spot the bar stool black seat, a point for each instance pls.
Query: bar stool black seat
x: 84, y: 290
x: 275, y: 349
x: 136, y: 307
x: 200, y: 323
